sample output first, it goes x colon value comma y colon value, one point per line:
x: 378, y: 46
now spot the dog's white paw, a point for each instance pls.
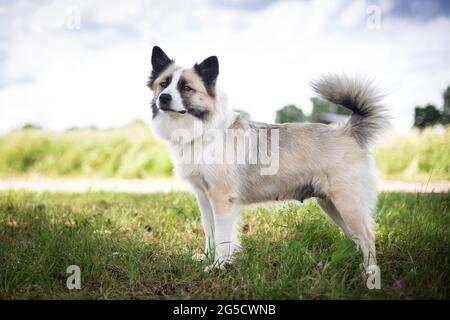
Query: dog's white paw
x: 210, y: 268
x: 219, y: 264
x: 199, y: 256
x: 215, y: 266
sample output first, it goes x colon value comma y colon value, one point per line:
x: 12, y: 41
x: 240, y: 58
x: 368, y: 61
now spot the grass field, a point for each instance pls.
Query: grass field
x: 140, y: 247
x: 417, y: 156
x: 128, y: 152
x: 133, y: 152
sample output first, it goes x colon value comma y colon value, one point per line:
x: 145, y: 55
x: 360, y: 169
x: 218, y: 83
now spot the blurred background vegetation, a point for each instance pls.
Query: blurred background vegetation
x: 128, y: 152
x: 133, y: 152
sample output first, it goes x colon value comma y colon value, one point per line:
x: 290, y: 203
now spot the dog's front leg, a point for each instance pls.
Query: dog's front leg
x: 207, y: 219
x: 226, y: 236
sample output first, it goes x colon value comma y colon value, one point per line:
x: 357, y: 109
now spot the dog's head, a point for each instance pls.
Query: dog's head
x: 184, y: 97
x: 189, y: 92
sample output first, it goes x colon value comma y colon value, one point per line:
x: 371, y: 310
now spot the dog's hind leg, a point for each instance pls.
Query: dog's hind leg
x: 334, y: 214
x: 356, y: 209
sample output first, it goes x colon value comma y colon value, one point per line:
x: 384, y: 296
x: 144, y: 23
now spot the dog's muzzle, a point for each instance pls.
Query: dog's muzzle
x: 164, y: 103
x: 165, y: 108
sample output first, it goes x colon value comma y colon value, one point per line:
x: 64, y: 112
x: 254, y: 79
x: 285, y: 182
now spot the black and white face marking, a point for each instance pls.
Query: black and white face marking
x: 178, y: 94
x: 208, y: 70
x: 160, y: 62
x: 189, y: 92
x: 169, y: 97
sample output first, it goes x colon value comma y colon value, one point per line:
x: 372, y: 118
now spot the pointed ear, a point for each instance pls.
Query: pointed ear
x: 208, y: 70
x: 160, y: 60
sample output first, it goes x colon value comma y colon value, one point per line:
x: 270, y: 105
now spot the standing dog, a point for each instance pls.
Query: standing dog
x: 332, y: 164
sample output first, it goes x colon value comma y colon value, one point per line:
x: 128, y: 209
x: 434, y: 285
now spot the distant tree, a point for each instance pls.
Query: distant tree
x: 426, y: 116
x: 289, y: 113
x: 321, y: 106
x: 447, y: 98
x: 244, y: 115
x: 31, y: 126
x: 446, y: 109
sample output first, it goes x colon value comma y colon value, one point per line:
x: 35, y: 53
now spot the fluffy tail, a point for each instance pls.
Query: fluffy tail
x: 369, y: 118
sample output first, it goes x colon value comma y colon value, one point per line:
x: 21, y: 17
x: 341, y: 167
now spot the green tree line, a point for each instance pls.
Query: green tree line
x: 424, y: 116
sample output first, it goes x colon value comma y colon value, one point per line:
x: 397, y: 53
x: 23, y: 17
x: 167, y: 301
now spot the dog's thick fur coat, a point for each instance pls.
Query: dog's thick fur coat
x: 332, y: 164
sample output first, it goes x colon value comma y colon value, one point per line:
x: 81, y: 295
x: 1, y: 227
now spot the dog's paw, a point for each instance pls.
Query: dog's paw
x: 199, y: 256
x: 215, y: 266
x: 219, y: 264
x: 211, y: 268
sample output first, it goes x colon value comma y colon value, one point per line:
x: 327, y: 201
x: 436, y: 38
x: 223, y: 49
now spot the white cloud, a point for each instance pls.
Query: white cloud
x: 58, y: 77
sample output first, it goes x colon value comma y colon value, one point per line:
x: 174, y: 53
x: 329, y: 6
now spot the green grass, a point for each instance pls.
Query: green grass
x: 140, y: 246
x: 418, y: 156
x: 133, y: 152
x: 128, y: 152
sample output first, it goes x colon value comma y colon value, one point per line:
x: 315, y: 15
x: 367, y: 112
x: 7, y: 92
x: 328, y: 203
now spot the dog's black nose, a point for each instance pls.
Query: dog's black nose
x: 165, y: 98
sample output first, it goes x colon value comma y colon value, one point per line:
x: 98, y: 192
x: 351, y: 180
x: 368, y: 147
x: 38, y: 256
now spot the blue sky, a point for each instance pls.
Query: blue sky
x: 59, y: 76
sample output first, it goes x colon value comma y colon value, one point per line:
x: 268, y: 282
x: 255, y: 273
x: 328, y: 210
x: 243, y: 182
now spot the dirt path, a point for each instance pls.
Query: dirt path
x: 168, y: 185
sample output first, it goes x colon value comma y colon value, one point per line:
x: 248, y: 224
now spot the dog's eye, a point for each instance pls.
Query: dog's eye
x: 186, y: 88
x: 164, y: 83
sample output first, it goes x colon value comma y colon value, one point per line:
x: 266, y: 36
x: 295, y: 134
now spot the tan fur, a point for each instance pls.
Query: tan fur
x: 156, y: 87
x: 222, y: 198
x: 199, y: 96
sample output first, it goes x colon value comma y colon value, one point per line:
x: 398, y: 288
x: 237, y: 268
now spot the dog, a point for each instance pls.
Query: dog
x: 330, y: 163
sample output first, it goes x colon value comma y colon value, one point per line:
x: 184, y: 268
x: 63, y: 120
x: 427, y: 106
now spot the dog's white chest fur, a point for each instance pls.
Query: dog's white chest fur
x: 192, y: 158
x: 192, y: 171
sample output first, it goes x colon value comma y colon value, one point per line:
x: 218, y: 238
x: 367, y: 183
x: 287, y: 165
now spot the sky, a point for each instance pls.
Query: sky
x: 79, y: 63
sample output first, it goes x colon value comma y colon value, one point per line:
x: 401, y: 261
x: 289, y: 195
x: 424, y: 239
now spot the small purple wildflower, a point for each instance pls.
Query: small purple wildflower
x: 319, y: 265
x: 397, y: 285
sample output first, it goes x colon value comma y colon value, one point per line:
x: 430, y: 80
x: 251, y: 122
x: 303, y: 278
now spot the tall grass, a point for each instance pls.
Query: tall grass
x: 417, y: 156
x: 133, y: 152
x: 128, y: 152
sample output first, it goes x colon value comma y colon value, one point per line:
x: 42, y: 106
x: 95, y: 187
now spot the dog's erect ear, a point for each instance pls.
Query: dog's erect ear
x: 208, y: 70
x: 160, y: 61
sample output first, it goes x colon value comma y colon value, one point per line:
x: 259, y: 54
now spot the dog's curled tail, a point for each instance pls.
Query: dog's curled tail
x: 369, y: 118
